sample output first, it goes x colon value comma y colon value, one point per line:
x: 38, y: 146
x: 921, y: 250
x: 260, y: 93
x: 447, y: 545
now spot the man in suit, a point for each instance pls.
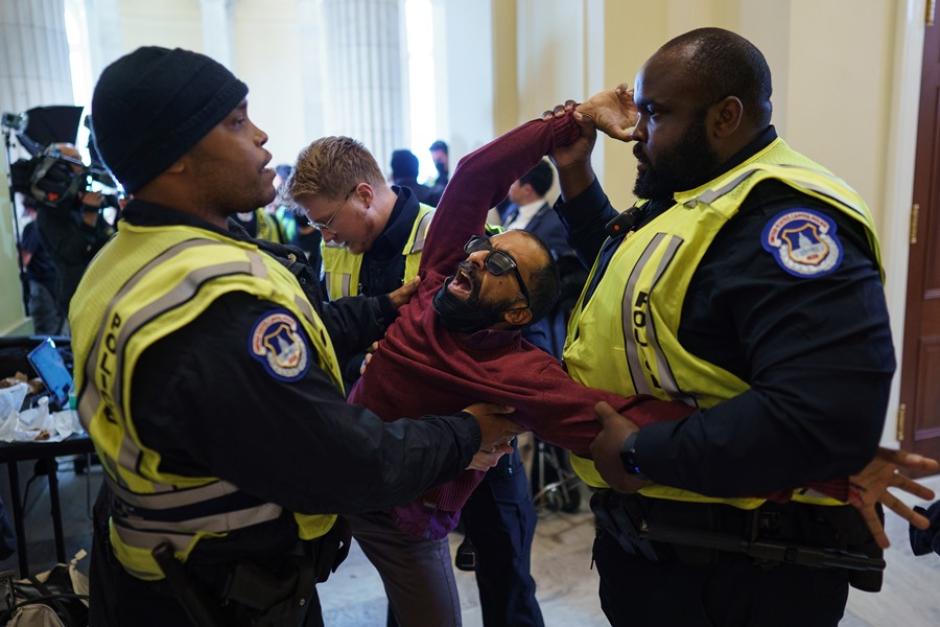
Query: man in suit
x: 528, y: 210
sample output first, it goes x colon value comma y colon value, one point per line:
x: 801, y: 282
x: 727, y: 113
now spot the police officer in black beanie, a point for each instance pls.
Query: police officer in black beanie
x: 207, y: 375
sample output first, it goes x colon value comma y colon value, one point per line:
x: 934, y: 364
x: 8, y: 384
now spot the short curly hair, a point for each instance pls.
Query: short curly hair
x: 544, y: 282
x: 330, y: 166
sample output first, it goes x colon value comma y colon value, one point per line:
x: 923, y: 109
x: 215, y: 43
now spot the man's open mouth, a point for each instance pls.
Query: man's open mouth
x: 461, y: 285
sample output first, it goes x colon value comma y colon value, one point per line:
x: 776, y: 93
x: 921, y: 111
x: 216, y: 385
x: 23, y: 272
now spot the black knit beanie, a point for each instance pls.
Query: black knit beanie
x: 154, y: 104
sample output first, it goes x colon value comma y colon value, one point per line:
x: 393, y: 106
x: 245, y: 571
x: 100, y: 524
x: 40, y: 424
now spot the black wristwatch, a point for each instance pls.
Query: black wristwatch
x: 628, y: 454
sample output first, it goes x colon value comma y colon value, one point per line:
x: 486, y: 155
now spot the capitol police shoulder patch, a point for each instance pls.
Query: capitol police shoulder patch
x: 277, y: 341
x: 803, y: 242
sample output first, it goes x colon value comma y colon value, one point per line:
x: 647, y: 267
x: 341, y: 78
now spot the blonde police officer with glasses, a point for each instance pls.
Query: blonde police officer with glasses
x: 207, y: 375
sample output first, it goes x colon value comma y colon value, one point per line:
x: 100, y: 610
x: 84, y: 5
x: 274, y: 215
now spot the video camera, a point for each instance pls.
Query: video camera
x: 50, y: 177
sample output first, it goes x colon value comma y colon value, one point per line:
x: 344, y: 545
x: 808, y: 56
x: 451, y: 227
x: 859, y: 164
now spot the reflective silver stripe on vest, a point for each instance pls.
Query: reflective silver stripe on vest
x: 177, y: 498
x: 631, y: 338
x: 711, y: 195
x: 304, y: 306
x: 130, y: 454
x: 667, y: 378
x: 629, y: 335
x: 422, y: 233
x: 89, y: 395
x: 346, y: 280
x: 826, y: 192
x: 136, y: 531
x: 326, y: 281
x: 141, y: 533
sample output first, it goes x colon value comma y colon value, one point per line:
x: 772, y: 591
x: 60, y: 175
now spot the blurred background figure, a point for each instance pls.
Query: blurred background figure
x: 405, y: 174
x: 925, y: 541
x: 441, y: 158
x: 40, y: 273
x: 527, y: 209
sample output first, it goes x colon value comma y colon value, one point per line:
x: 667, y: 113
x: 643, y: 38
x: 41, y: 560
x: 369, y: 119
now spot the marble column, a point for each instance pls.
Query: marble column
x: 34, y: 71
x: 217, y: 30
x: 34, y: 55
x: 313, y: 68
x: 363, y: 73
x: 105, y: 35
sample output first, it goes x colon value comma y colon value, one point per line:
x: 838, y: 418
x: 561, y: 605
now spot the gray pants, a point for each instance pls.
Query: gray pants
x: 47, y: 319
x: 417, y: 574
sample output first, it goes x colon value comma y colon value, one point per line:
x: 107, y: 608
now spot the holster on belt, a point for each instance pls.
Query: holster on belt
x: 332, y: 548
x: 813, y: 536
x: 623, y: 520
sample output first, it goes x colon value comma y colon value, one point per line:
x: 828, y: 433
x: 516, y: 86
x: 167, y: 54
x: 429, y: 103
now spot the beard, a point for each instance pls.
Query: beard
x: 689, y: 164
x: 470, y: 315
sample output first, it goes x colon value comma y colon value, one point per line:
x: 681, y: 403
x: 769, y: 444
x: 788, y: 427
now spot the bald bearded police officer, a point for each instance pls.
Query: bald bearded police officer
x: 747, y: 284
x: 208, y: 376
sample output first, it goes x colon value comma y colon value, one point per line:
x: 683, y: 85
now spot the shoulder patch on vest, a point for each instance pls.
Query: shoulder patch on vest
x: 277, y: 341
x: 803, y: 242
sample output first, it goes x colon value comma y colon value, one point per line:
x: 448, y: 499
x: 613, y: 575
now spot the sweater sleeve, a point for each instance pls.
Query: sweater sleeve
x: 481, y: 180
x: 560, y: 410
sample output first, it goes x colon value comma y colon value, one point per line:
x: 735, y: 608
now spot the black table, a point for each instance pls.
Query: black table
x: 13, y: 452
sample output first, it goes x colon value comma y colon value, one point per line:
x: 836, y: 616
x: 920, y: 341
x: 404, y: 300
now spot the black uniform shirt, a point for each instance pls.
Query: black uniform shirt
x: 383, y: 265
x: 71, y: 244
x: 211, y: 409
x: 816, y: 352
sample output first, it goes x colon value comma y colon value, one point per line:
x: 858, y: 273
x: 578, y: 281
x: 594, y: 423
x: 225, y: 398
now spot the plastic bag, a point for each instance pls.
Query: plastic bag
x: 11, y: 399
x: 55, y: 598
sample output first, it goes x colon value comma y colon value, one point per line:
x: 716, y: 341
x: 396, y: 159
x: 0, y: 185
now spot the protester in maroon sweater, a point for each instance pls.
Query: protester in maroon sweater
x: 422, y: 365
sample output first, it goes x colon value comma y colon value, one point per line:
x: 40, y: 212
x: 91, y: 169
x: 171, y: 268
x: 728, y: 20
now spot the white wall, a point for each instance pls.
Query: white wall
x: 465, y: 100
x: 168, y: 23
x: 267, y: 54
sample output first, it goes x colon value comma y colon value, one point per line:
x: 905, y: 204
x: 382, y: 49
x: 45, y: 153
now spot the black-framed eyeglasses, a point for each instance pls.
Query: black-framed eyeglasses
x: 328, y: 224
x: 497, y: 262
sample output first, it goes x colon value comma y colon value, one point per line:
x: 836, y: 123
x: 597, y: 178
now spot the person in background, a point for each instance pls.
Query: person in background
x: 72, y: 235
x: 40, y: 272
x: 405, y: 174
x: 440, y: 155
x: 924, y: 541
x: 259, y: 224
x: 528, y: 210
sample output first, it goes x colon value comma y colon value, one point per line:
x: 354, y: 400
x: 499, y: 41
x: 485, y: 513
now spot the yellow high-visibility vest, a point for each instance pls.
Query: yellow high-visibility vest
x: 268, y: 227
x: 341, y: 268
x: 146, y: 283
x: 625, y: 338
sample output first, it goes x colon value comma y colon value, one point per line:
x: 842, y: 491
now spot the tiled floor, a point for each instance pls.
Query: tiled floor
x: 561, y: 565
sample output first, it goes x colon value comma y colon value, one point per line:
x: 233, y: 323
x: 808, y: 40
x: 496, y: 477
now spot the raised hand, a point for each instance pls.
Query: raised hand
x: 870, y: 486
x: 403, y: 294
x: 612, y: 111
x: 579, y: 152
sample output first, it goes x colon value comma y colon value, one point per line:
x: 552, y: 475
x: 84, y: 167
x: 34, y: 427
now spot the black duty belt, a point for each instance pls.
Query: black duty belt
x: 794, y: 534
